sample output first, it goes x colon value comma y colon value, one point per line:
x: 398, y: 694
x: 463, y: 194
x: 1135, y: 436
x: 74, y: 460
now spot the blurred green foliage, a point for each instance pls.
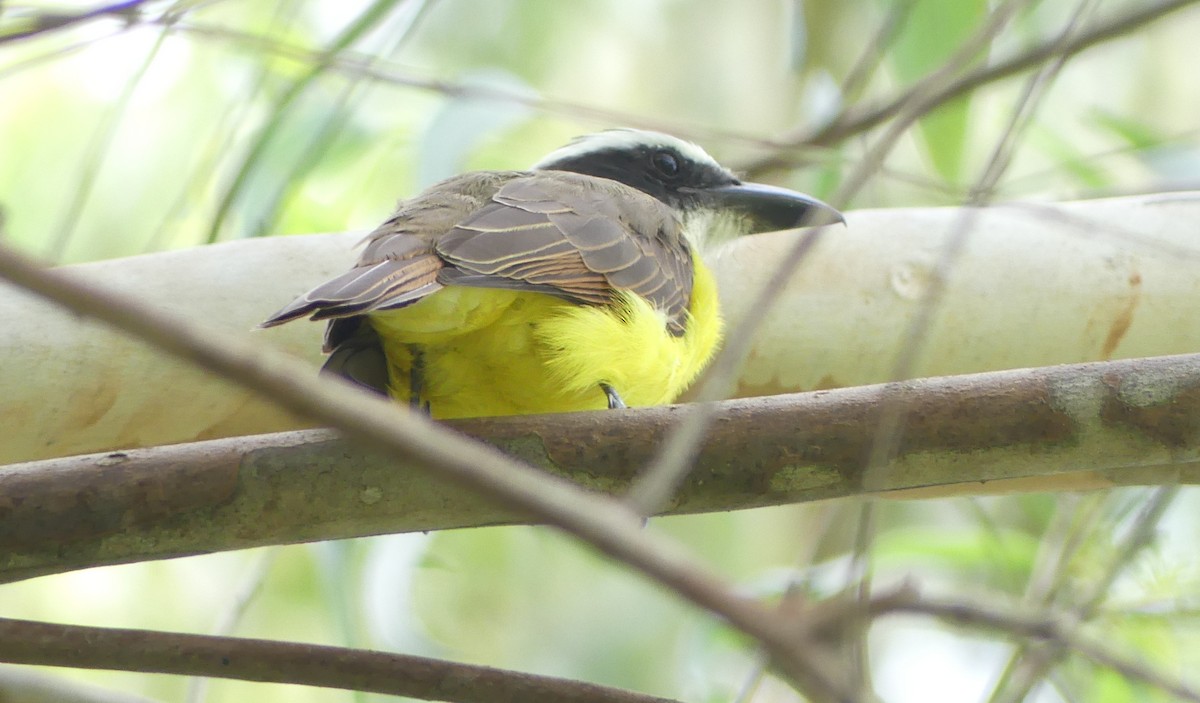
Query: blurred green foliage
x: 237, y: 119
x: 949, y: 23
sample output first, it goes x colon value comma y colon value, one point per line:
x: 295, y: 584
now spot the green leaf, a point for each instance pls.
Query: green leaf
x: 1138, y: 135
x: 1006, y: 551
x: 1069, y: 158
x: 945, y: 132
x: 933, y: 31
x: 371, y: 18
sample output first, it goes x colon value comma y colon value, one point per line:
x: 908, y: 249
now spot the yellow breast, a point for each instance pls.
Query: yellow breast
x: 498, y: 352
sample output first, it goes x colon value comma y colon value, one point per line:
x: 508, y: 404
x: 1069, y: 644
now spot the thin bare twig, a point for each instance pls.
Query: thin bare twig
x: 1030, y: 664
x: 858, y: 120
x: 828, y: 512
x: 858, y: 584
x: 390, y: 73
x: 1074, y: 520
x: 44, y: 23
x: 28, y: 642
x: 1032, y: 93
x: 876, y: 48
x: 919, y: 100
x: 1062, y: 630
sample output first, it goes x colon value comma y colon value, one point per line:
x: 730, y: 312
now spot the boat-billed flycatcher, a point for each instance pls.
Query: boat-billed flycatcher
x: 574, y: 285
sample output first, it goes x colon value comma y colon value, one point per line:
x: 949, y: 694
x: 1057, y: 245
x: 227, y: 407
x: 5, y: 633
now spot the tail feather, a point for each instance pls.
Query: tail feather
x: 386, y: 285
x: 357, y: 354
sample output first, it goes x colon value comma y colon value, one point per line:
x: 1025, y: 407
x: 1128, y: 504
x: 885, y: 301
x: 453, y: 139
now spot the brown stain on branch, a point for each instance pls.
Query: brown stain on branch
x: 1172, y: 422
x: 1120, y: 325
x: 818, y: 443
x: 776, y: 387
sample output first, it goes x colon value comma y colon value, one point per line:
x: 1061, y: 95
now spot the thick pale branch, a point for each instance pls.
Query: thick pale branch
x: 1034, y: 286
x: 1081, y: 426
x: 288, y: 662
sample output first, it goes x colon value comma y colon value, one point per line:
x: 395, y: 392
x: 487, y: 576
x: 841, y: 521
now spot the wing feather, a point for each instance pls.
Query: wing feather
x: 573, y: 236
x: 605, y: 238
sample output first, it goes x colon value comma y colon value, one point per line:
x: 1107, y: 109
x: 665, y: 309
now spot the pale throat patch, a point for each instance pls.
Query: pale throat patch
x: 707, y: 229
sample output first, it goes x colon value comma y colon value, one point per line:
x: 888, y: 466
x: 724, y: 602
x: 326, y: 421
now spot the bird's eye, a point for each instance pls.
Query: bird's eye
x: 665, y: 163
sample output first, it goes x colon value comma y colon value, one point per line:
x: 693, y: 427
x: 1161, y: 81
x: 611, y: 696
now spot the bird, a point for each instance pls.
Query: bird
x: 577, y: 284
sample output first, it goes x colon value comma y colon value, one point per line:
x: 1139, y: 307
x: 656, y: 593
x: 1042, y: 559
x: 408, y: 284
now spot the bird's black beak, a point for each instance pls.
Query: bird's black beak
x: 769, y: 208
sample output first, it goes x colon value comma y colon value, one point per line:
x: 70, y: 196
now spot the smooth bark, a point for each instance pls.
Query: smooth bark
x: 1037, y: 285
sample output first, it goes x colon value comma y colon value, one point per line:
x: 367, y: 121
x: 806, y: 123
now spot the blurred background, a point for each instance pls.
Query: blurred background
x: 144, y: 126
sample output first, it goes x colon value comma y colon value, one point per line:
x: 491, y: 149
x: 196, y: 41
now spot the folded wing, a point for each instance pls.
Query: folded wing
x: 576, y: 237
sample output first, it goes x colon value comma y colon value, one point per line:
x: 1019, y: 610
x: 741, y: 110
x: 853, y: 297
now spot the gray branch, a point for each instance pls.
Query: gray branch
x: 289, y: 662
x: 1065, y: 427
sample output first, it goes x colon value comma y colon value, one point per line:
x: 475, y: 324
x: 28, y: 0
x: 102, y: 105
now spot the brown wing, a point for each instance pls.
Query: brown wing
x: 577, y: 237
x: 398, y: 266
x: 574, y: 236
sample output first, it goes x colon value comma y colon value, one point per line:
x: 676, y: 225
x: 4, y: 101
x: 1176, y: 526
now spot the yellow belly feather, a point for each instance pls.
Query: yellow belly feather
x: 499, y: 352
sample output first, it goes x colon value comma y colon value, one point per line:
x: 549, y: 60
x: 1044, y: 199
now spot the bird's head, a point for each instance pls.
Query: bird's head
x: 712, y: 202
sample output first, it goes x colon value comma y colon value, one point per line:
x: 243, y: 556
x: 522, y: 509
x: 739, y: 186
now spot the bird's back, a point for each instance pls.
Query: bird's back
x: 518, y: 292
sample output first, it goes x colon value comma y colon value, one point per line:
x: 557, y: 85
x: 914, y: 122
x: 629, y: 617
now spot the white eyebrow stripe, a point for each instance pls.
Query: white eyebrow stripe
x: 618, y: 139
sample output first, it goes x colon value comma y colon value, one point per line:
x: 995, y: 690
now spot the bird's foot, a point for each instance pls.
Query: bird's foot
x: 614, y: 398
